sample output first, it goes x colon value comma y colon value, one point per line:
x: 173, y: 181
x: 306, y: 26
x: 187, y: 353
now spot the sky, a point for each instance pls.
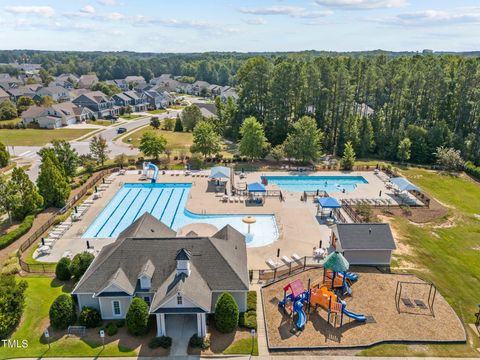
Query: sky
x: 236, y: 25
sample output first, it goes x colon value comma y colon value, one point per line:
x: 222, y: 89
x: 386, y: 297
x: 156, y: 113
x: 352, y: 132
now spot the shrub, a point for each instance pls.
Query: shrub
x: 80, y: 264
x: 13, y: 235
x: 12, y: 300
x: 62, y: 312
x: 472, y: 170
x: 137, y: 317
x: 226, y: 313
x: 120, y: 323
x: 199, y: 342
x: 196, y: 161
x: 90, y: 317
x: 62, y: 270
x: 111, y: 329
x: 11, y: 269
x: 162, y: 341
x: 250, y: 321
x: 252, y: 301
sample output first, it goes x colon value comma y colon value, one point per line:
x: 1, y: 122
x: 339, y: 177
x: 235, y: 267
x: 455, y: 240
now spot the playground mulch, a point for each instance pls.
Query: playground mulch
x: 373, y: 295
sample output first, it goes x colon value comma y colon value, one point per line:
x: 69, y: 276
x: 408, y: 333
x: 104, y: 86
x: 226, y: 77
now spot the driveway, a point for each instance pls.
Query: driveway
x: 180, y: 328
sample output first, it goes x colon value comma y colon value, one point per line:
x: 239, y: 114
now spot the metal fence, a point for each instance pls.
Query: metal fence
x: 35, y: 237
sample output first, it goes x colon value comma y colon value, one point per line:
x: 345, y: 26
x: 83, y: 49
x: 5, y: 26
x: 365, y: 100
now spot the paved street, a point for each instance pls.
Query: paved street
x: 27, y: 155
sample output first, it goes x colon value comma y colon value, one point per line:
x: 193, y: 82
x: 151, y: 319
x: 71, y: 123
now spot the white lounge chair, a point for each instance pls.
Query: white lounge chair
x: 286, y: 259
x: 296, y: 257
x: 271, y: 263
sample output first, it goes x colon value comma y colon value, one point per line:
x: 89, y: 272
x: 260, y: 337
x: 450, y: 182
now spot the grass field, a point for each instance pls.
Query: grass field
x: 37, y: 137
x: 131, y: 117
x: 243, y: 346
x: 157, y: 111
x: 100, y: 122
x: 445, y: 252
x: 40, y: 294
x: 175, y: 140
x: 9, y: 122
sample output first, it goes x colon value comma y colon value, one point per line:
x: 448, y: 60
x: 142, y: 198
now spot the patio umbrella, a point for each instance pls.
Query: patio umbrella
x: 336, y: 262
x: 249, y: 220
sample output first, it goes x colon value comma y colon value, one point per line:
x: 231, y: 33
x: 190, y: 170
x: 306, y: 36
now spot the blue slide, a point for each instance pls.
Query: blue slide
x: 351, y: 276
x: 302, y: 317
x: 155, y: 171
x: 354, y: 316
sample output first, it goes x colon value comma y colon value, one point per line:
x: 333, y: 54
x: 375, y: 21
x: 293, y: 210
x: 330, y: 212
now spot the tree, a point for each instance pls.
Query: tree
x: 9, y: 197
x: 99, y: 149
x: 67, y: 157
x: 403, y: 152
x: 169, y: 124
x: 62, y: 312
x: 52, y: 185
x: 178, y: 125
x: 449, y: 159
x: 152, y: 144
x: 137, y: 317
x: 62, y: 270
x: 191, y: 115
x: 23, y: 103
x: 80, y: 264
x: 4, y: 155
x: 155, y: 122
x: 226, y: 313
x: 120, y: 160
x: 46, y: 101
x: 205, y: 140
x: 30, y: 199
x: 253, y: 141
x: 12, y: 303
x: 89, y: 317
x: 277, y: 152
x: 304, y: 141
x: 348, y: 158
x: 8, y: 110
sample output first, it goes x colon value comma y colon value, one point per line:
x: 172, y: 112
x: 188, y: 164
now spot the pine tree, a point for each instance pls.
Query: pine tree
x: 348, y: 158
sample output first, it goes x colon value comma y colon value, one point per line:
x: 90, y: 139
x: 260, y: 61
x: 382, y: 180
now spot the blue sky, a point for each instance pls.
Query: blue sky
x: 229, y: 25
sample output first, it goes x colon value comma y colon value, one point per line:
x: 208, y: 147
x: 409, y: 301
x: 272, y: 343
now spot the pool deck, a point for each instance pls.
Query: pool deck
x: 299, y: 229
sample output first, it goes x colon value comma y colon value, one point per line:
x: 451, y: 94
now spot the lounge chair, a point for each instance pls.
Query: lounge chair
x: 230, y: 199
x: 271, y: 263
x: 296, y: 257
x: 286, y: 259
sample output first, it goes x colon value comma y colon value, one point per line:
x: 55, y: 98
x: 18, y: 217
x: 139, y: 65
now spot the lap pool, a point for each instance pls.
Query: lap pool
x: 300, y: 183
x: 167, y: 203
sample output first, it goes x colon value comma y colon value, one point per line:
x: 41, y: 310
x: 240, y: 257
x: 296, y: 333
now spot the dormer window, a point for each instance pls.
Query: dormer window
x: 145, y: 283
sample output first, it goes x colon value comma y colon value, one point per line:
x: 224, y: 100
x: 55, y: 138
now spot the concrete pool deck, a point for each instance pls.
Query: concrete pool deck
x: 299, y: 229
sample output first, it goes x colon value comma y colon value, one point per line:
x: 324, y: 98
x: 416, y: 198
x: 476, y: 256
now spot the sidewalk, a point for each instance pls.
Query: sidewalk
x: 272, y: 357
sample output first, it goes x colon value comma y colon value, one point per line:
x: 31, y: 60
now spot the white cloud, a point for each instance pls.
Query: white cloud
x: 107, y: 2
x: 362, y: 4
x: 292, y: 11
x: 89, y: 9
x: 44, y: 11
x: 255, y: 21
x: 434, y: 17
x: 114, y: 16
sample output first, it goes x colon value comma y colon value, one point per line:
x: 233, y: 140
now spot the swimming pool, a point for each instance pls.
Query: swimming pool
x: 167, y: 203
x: 300, y: 183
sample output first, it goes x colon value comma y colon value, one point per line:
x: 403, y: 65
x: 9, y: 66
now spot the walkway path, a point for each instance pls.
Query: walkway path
x: 261, y: 333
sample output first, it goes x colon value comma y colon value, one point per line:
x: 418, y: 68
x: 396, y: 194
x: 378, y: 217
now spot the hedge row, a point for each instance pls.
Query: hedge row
x: 472, y: 170
x: 13, y: 235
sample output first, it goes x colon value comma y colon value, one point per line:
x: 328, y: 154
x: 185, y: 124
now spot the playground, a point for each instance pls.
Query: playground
x: 381, y: 308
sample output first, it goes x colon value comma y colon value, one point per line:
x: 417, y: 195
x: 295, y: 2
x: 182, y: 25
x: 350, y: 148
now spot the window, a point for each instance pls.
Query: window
x: 117, y: 311
x: 179, y: 300
x: 147, y: 300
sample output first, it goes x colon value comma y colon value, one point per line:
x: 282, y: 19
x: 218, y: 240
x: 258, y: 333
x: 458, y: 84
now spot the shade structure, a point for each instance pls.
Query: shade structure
x: 220, y: 172
x: 256, y: 187
x: 249, y: 220
x: 336, y: 262
x: 329, y: 203
x: 403, y: 184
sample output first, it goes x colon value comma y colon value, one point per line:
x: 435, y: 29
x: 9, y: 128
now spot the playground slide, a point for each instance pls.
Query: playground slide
x: 351, y: 276
x: 354, y: 316
x: 302, y: 317
x: 155, y: 172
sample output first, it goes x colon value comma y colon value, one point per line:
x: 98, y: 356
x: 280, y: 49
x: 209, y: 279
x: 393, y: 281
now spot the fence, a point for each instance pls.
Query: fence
x: 351, y: 212
x: 46, y: 268
x: 268, y: 276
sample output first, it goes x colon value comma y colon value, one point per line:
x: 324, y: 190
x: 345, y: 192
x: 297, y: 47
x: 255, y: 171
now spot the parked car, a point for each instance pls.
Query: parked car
x: 121, y: 130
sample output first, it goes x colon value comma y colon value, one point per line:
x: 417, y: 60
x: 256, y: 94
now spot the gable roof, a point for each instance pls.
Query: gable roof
x: 3, y: 94
x: 34, y: 111
x: 365, y: 236
x: 147, y: 226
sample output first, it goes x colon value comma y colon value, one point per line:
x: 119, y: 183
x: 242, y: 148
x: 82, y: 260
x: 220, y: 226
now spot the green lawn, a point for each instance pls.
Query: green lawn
x: 37, y: 137
x: 175, y: 140
x: 131, y: 116
x: 40, y: 294
x: 446, y: 253
x: 12, y: 121
x: 157, y: 111
x: 243, y: 346
x: 100, y: 122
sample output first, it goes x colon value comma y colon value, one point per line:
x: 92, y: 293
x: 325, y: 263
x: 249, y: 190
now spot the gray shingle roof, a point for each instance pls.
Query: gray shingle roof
x: 365, y: 236
x: 220, y: 260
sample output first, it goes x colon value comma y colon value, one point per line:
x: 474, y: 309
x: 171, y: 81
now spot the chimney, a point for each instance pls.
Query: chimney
x: 183, y: 262
x: 370, y: 230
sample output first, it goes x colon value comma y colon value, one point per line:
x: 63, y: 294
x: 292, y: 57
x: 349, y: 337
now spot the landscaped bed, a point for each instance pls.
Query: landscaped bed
x: 373, y: 295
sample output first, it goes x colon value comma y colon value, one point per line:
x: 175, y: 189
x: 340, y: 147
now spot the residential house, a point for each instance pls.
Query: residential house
x: 158, y: 100
x: 87, y: 81
x: 363, y: 110
x: 207, y: 110
x: 364, y: 244
x: 122, y: 100
x: 55, y: 116
x: 135, y: 80
x: 122, y: 84
x: 160, y: 79
x: 138, y: 102
x: 4, y: 95
x: 175, y: 275
x: 228, y: 92
x: 198, y: 86
x: 27, y: 90
x: 101, y: 105
x: 68, y: 81
x: 57, y: 93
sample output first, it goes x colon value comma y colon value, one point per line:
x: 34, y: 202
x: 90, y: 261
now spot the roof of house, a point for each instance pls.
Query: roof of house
x: 53, y: 89
x: 34, y: 111
x: 201, y: 84
x: 132, y: 94
x: 208, y: 110
x: 134, y: 78
x: 367, y: 236
x: 3, y: 93
x: 220, y: 260
x: 97, y: 96
x: 122, y: 96
x: 87, y: 80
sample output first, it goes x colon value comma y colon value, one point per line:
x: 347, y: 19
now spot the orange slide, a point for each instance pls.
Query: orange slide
x: 321, y: 297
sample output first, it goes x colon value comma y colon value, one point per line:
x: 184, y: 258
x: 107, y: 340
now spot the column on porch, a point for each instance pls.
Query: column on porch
x: 161, y: 325
x: 201, y: 324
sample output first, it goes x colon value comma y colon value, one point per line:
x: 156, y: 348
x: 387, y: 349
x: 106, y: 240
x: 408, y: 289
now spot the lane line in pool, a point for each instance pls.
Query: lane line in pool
x: 176, y: 210
x: 113, y: 212
x: 156, y: 201
x: 143, y: 203
x: 166, y: 205
x: 123, y: 215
